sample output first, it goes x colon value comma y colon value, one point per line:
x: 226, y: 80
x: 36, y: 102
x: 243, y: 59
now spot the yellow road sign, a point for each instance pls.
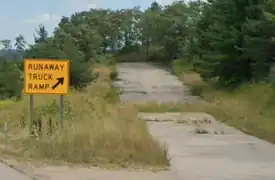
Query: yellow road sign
x: 46, y: 76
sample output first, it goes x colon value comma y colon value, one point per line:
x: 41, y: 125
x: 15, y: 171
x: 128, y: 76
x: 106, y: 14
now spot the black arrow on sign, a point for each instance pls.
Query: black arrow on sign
x: 59, y: 81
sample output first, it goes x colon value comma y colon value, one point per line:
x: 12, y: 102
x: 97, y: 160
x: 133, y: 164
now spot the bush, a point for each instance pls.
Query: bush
x: 11, y: 81
x: 106, y: 60
x: 129, y: 49
x: 197, y: 89
x: 80, y: 74
x: 179, y: 66
x: 113, y: 75
x: 80, y: 71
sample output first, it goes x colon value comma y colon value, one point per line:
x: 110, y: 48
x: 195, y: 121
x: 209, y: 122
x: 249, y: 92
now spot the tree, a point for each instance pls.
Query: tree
x: 194, y: 13
x: 259, y: 39
x: 221, y: 42
x: 20, y: 43
x: 149, y: 26
x: 227, y: 41
x: 6, y: 43
x: 41, y: 34
x: 11, y: 83
x: 173, y: 38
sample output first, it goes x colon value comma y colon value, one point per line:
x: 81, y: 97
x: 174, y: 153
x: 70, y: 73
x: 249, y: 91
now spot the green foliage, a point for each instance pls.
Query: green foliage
x: 197, y: 90
x: 42, y: 34
x: 80, y: 73
x: 107, y: 59
x: 179, y: 66
x: 229, y: 42
x: 112, y: 95
x: 233, y: 42
x: 11, y: 81
x: 113, y: 75
x: 20, y: 43
x: 53, y: 109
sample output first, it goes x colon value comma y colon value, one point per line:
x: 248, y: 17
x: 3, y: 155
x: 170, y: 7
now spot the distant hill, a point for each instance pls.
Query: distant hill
x: 11, y: 54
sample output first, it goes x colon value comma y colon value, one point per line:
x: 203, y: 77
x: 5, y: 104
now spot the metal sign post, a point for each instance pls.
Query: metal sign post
x: 31, y: 113
x: 61, y: 111
x: 46, y: 76
x: 6, y: 135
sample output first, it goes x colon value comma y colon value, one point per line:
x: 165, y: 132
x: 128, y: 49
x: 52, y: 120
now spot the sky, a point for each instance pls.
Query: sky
x: 23, y: 16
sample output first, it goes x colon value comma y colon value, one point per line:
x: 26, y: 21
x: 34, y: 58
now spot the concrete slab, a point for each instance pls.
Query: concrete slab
x: 157, y: 85
x: 215, y: 157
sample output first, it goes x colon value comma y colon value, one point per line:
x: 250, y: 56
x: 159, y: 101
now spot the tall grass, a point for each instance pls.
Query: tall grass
x: 98, y: 129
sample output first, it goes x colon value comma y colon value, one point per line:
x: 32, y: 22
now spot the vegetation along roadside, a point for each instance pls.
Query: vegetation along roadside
x: 222, y: 50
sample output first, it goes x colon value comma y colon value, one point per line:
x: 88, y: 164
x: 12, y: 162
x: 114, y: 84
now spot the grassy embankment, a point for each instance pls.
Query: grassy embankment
x: 98, y: 129
x: 250, y: 108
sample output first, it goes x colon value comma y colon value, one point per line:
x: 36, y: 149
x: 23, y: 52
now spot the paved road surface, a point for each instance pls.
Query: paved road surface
x: 141, y: 82
x: 216, y: 157
x: 7, y: 173
x: 232, y: 155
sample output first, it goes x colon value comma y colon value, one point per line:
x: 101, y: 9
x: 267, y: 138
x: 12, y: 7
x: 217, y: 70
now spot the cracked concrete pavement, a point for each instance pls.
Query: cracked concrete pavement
x: 213, y: 156
x: 141, y: 82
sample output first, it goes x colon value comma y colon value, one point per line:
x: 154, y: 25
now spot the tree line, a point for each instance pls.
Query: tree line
x: 229, y: 42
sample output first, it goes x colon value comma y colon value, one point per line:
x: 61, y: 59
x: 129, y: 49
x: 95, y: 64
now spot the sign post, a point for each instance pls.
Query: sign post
x: 46, y: 76
x: 61, y: 111
x: 31, y: 111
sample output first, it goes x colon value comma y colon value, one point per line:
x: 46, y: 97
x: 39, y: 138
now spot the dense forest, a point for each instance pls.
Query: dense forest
x: 228, y: 42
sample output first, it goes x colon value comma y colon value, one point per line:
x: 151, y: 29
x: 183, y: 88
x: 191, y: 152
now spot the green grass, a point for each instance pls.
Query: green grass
x: 179, y: 66
x: 7, y: 102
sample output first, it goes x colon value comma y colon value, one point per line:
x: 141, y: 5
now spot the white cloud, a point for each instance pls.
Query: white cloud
x: 92, y: 6
x: 165, y: 2
x: 80, y: 5
x: 44, y: 19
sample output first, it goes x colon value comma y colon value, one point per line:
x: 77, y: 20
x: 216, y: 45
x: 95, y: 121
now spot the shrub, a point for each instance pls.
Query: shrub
x: 11, y: 82
x: 113, y: 75
x: 80, y: 71
x: 106, y: 60
x: 197, y: 89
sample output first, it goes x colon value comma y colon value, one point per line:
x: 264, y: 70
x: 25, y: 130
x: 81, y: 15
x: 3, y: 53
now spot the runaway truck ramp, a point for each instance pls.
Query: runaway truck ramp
x: 200, y: 148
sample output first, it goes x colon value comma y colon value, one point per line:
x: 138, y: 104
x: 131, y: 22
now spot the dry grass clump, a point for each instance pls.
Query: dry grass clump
x: 97, y: 129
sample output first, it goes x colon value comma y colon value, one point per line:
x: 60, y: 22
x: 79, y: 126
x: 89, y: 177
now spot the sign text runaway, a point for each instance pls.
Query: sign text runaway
x: 42, y: 77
